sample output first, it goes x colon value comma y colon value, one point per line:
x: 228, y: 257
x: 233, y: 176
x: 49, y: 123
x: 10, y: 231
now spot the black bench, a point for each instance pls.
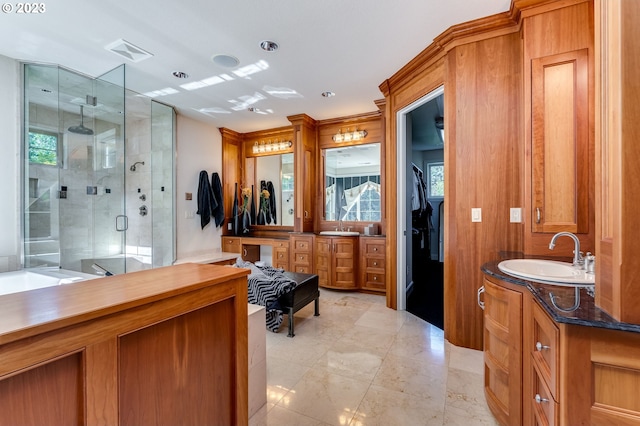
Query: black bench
x: 304, y: 293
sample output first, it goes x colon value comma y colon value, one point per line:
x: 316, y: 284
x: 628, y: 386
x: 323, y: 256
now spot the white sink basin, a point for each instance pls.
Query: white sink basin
x: 340, y: 233
x: 547, y: 272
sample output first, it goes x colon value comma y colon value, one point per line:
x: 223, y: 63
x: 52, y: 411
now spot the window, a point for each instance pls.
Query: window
x: 363, y: 203
x: 435, y: 175
x: 43, y: 148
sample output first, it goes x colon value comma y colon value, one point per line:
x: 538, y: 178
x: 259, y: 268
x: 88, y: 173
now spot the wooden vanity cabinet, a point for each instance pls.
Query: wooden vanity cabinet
x: 336, y: 262
x: 372, y: 264
x: 503, y: 350
x: 301, y: 253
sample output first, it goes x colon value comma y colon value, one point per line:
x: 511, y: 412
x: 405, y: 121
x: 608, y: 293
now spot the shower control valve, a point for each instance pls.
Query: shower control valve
x: 143, y: 197
x: 143, y: 211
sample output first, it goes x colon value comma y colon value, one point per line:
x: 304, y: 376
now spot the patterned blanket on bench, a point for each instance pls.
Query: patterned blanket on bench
x: 266, y: 285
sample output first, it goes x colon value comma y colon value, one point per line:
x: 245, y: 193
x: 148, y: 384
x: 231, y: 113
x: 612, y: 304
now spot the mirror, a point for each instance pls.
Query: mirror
x: 352, y: 183
x: 275, y: 173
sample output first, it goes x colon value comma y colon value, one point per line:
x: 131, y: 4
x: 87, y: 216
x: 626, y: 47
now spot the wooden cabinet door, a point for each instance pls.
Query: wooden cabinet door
x: 560, y: 142
x: 336, y: 262
x: 323, y: 261
x: 344, y: 262
x: 503, y: 352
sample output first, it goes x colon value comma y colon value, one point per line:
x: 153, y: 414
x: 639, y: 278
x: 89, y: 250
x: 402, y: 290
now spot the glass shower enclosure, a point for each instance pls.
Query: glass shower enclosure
x: 98, y: 173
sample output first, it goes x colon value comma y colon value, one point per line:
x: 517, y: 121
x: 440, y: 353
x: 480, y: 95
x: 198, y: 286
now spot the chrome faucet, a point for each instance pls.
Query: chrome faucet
x: 577, y: 256
x: 341, y: 225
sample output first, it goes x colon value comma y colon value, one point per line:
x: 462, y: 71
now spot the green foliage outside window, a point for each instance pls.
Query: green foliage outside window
x: 436, y: 180
x: 43, y: 148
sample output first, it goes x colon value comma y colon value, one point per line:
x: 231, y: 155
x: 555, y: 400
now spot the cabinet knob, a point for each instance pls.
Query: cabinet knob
x: 280, y: 255
x: 375, y: 263
x: 375, y: 249
x: 375, y: 278
x: 539, y: 399
x: 541, y: 347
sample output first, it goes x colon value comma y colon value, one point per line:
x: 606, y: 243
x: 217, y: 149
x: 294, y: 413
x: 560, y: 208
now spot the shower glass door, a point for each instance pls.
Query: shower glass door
x: 98, y: 173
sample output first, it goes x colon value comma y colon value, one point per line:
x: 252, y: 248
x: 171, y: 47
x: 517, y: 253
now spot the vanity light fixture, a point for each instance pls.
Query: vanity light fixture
x: 348, y: 136
x: 263, y: 147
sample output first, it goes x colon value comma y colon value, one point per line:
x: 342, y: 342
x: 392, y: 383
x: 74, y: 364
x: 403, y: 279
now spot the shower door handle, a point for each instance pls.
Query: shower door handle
x: 122, y: 222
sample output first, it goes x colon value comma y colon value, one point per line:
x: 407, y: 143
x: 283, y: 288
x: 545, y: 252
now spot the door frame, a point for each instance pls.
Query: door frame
x: 401, y: 186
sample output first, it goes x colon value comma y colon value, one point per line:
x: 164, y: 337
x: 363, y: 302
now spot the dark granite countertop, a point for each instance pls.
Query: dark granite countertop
x: 587, y: 314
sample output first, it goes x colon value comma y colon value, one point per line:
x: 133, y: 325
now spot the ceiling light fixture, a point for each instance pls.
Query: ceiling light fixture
x: 348, y: 136
x: 328, y: 94
x: 180, y: 74
x: 263, y: 147
x: 269, y: 46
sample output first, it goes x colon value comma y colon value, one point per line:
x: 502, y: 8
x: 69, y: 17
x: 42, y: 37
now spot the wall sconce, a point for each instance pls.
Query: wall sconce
x: 263, y: 147
x: 356, y: 135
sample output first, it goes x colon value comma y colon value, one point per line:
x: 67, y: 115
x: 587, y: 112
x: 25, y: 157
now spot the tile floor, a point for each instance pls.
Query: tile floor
x: 360, y: 363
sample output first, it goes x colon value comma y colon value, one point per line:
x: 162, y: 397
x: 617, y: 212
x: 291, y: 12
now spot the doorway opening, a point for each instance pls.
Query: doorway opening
x: 420, y: 208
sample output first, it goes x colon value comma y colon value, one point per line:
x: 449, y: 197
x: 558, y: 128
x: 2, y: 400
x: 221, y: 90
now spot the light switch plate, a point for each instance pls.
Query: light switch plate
x: 476, y: 214
x: 515, y: 215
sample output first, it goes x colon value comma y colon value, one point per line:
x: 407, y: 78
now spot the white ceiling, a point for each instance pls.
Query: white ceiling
x: 345, y: 46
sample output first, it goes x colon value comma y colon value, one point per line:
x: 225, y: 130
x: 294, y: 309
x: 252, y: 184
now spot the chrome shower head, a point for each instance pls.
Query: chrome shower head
x: 133, y: 166
x: 81, y: 130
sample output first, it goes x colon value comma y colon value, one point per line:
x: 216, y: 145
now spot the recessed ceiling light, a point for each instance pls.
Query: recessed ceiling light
x: 226, y: 61
x: 180, y: 74
x: 328, y: 94
x: 269, y: 46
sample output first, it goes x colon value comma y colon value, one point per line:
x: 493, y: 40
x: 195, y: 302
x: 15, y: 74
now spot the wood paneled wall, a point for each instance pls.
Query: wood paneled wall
x: 482, y: 67
x: 483, y: 169
x: 557, y: 28
x: 232, y: 172
x: 481, y: 73
x: 618, y: 154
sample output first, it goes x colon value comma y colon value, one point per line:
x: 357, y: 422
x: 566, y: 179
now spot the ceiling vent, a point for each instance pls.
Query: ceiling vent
x: 127, y: 50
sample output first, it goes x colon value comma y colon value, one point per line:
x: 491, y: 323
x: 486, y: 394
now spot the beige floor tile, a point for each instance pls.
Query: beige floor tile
x: 376, y: 341
x: 361, y: 363
x: 421, y: 379
x: 351, y: 360
x: 466, y: 359
x: 387, y: 319
x: 280, y: 416
x: 327, y: 397
x: 381, y: 406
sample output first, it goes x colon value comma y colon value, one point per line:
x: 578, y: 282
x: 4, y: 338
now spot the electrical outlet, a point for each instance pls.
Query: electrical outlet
x: 515, y: 215
x: 476, y: 214
x: 189, y: 214
x: 229, y: 226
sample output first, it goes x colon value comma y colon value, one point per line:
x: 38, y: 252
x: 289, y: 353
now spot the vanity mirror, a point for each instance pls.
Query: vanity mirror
x: 276, y: 173
x: 352, y: 183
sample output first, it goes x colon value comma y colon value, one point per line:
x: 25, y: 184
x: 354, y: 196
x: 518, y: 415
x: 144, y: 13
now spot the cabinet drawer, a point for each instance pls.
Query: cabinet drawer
x: 545, y: 408
x: 374, y: 248
x: 281, y: 245
x: 374, y: 264
x: 281, y: 255
x: 302, y: 245
x: 545, y: 348
x: 301, y: 258
x: 302, y: 269
x: 231, y: 245
x: 374, y: 281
